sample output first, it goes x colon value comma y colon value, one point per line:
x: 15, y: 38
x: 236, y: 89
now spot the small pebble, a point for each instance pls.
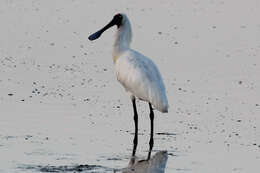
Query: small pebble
x: 87, y: 99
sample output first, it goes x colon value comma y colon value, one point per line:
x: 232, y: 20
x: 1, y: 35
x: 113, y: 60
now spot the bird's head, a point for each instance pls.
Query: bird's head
x: 119, y: 20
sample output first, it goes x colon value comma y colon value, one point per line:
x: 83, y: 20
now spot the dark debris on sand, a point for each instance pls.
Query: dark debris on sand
x: 66, y: 168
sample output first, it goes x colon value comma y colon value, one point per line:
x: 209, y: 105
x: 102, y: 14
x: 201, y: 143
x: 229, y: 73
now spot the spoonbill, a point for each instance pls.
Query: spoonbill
x: 137, y: 73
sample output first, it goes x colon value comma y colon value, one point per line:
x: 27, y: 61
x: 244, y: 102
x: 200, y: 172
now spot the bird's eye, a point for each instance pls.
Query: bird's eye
x: 120, y: 16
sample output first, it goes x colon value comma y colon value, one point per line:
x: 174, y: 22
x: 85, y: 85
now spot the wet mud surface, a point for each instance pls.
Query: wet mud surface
x: 69, y: 169
x: 62, y: 109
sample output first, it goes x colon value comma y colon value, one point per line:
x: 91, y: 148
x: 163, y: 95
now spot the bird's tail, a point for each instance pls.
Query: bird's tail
x: 164, y: 107
x: 161, y: 103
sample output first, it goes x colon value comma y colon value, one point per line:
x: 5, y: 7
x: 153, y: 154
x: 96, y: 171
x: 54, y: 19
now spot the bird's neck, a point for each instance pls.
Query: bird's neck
x: 122, y: 40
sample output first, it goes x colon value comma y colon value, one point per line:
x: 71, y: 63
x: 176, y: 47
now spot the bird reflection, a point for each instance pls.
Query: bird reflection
x: 154, y: 164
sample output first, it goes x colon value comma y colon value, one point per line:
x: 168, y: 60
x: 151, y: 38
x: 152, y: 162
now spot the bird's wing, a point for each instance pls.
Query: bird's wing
x: 140, y: 76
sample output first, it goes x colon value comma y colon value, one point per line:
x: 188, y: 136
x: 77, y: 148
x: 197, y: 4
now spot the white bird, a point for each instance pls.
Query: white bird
x: 137, y: 73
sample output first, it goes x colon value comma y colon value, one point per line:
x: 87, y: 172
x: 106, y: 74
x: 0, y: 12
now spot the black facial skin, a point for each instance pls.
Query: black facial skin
x: 117, y: 20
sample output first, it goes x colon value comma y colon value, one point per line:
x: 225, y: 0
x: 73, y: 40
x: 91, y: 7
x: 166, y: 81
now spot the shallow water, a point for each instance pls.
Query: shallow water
x: 61, y: 108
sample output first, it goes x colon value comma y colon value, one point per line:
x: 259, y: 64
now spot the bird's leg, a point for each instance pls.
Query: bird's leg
x: 136, y: 127
x: 151, y: 133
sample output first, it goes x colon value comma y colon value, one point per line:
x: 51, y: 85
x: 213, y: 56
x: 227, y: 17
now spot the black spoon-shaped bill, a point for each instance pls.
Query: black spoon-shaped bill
x: 115, y: 21
x: 95, y: 36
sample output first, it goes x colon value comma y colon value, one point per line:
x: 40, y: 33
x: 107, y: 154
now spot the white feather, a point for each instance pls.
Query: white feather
x: 140, y: 76
x: 137, y: 73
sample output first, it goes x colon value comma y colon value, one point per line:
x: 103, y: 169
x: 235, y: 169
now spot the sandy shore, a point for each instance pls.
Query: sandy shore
x: 62, y: 109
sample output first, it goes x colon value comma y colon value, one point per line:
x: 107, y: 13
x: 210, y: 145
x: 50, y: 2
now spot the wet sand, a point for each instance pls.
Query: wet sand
x: 61, y: 108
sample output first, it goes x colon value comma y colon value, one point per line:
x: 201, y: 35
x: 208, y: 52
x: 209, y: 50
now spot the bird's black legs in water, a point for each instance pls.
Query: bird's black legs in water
x: 151, y: 133
x: 136, y: 127
x: 135, y: 142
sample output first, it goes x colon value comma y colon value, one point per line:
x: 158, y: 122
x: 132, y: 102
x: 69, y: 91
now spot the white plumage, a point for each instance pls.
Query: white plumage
x: 140, y: 76
x: 137, y: 73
